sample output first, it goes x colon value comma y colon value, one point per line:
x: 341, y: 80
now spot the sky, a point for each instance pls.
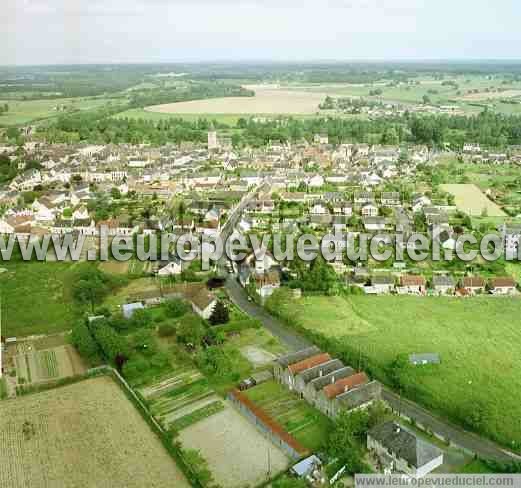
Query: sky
x: 126, y: 31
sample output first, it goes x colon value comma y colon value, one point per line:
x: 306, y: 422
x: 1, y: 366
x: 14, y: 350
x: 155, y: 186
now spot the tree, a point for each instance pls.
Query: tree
x: 220, y: 314
x: 181, y: 212
x: 90, y: 285
x: 89, y: 291
x: 115, y: 193
x: 111, y: 343
x: 346, y: 438
x: 84, y: 342
x: 215, y: 361
x: 191, y: 330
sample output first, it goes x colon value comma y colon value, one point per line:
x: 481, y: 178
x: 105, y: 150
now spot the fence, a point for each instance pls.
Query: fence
x: 267, y: 425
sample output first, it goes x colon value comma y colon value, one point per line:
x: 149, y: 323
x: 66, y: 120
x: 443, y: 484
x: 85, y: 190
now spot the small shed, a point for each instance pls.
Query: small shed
x: 306, y: 467
x: 426, y: 358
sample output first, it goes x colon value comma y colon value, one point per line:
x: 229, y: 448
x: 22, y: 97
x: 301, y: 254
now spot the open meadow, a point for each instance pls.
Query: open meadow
x: 27, y: 111
x: 36, y: 298
x: 478, y: 340
x: 87, y: 434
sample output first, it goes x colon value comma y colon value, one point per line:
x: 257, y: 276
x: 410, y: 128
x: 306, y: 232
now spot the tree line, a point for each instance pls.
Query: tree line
x: 488, y: 129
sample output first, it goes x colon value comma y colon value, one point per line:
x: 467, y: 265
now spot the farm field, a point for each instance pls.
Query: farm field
x: 36, y: 298
x: 267, y: 100
x: 306, y: 424
x: 236, y: 452
x: 437, y: 93
x: 470, y: 200
x: 478, y: 339
x: 87, y: 434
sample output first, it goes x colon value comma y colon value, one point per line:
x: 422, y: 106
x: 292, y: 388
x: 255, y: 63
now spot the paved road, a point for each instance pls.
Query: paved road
x: 294, y: 342
x: 466, y: 440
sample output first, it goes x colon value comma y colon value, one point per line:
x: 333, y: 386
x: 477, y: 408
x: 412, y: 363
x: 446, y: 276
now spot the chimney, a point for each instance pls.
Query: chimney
x: 332, y: 379
x: 346, y: 389
x: 320, y: 373
x: 397, y: 429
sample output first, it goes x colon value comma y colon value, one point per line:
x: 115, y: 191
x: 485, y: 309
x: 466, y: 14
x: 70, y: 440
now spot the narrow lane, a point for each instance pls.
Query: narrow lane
x: 292, y: 340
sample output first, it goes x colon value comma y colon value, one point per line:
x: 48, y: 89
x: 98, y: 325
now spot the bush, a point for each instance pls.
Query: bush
x: 83, y: 341
x: 176, y: 308
x: 166, y: 330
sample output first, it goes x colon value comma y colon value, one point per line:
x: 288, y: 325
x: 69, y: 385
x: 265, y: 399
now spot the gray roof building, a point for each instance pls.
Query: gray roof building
x: 295, y: 357
x: 404, y: 444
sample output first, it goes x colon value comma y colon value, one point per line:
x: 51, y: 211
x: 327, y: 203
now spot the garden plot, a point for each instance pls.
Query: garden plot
x: 34, y: 366
x: 306, y: 424
x: 179, y: 396
x: 87, y: 434
x: 237, y: 453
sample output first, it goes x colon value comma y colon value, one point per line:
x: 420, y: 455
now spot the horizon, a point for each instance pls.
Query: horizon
x: 54, y: 32
x: 268, y: 62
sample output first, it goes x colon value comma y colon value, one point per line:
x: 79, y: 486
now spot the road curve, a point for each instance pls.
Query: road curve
x: 293, y: 341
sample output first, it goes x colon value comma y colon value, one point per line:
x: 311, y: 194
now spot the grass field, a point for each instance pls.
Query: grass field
x: 472, y: 201
x: 463, y: 95
x: 85, y: 434
x: 24, y: 112
x: 36, y: 298
x: 306, y: 424
x: 479, y: 341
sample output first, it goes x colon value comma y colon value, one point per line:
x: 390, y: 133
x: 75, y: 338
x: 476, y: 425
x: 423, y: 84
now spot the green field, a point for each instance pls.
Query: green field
x: 36, y: 298
x: 306, y: 424
x: 24, y: 112
x: 479, y: 341
x: 437, y: 93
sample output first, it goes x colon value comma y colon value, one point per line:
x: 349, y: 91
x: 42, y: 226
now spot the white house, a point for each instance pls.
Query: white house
x: 316, y: 181
x: 203, y: 303
x: 171, y: 268
x: 503, y: 286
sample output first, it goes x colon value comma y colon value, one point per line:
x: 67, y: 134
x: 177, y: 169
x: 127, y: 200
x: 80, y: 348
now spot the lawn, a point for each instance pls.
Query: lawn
x: 36, y: 298
x: 478, y: 339
x: 306, y: 424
